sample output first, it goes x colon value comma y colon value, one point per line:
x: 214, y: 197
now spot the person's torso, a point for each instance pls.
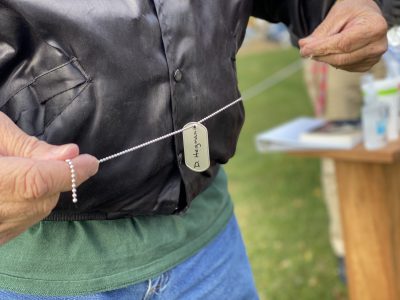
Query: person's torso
x: 110, y: 75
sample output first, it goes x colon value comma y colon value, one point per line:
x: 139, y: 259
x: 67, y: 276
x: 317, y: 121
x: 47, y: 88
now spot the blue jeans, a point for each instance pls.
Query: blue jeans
x: 220, y: 270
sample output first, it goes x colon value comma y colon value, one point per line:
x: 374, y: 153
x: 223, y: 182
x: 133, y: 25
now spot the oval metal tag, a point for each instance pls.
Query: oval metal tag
x: 195, y: 147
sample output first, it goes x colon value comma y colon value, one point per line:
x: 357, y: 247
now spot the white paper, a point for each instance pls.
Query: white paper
x: 286, y: 137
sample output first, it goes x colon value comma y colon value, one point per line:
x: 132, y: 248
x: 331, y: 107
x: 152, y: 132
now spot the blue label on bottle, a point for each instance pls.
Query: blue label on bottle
x: 381, y: 127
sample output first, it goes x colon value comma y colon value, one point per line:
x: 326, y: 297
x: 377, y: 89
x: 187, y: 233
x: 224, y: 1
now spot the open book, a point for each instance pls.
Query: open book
x: 306, y: 133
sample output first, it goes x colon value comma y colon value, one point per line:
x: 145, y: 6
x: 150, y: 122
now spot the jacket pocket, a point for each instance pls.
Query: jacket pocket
x: 38, y: 102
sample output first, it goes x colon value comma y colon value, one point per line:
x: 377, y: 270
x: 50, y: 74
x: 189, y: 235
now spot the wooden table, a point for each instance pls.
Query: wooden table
x: 369, y: 192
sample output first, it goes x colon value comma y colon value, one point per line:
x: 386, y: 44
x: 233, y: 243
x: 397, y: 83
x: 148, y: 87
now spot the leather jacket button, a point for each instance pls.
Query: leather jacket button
x: 178, y: 75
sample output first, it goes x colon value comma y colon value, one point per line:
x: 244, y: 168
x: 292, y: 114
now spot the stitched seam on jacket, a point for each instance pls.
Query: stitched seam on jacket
x: 41, y: 75
x: 85, y: 85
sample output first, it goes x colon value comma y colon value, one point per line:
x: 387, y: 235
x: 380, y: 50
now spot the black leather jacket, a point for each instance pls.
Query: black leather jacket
x: 391, y: 10
x: 109, y: 75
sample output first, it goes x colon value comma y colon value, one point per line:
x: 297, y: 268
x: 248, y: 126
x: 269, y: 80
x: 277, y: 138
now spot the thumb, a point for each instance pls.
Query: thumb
x: 58, y: 173
x: 44, y: 151
x: 50, y: 177
x: 15, y: 142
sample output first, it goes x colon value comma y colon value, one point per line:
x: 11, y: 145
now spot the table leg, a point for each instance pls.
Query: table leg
x: 370, y: 208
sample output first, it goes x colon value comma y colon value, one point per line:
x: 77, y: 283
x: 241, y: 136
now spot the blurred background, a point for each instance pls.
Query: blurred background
x: 278, y: 198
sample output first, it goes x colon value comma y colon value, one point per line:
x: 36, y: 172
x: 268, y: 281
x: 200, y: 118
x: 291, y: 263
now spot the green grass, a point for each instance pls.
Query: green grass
x: 277, y: 197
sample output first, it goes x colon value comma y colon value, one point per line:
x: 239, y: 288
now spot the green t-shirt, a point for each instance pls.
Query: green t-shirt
x: 72, y: 258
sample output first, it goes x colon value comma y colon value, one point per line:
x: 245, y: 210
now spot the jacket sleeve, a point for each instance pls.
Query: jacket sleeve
x: 301, y: 16
x: 391, y: 11
x: 15, y: 43
x: 10, y: 40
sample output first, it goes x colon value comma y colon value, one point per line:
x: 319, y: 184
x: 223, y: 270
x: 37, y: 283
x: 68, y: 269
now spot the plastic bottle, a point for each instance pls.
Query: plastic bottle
x: 374, y: 116
x: 387, y: 91
x: 392, y: 56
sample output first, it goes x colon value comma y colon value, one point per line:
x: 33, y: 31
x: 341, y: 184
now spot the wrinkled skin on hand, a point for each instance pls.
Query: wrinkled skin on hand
x: 352, y: 37
x: 32, y: 176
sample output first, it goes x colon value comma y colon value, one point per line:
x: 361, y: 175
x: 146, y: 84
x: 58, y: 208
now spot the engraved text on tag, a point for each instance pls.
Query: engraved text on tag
x: 195, y: 146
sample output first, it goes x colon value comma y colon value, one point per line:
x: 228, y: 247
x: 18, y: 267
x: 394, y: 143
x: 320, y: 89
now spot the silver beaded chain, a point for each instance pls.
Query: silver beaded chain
x: 256, y: 90
x: 113, y: 156
x: 73, y: 181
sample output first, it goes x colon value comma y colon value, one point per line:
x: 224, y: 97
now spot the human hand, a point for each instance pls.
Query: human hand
x: 352, y: 37
x: 32, y: 175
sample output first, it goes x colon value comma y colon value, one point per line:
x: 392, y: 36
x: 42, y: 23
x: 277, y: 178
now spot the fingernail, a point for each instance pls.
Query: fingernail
x: 305, y: 52
x: 96, y: 168
x: 94, y: 164
x: 61, y: 150
x: 307, y: 40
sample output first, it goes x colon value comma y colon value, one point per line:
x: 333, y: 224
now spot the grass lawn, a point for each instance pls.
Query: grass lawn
x: 277, y: 197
